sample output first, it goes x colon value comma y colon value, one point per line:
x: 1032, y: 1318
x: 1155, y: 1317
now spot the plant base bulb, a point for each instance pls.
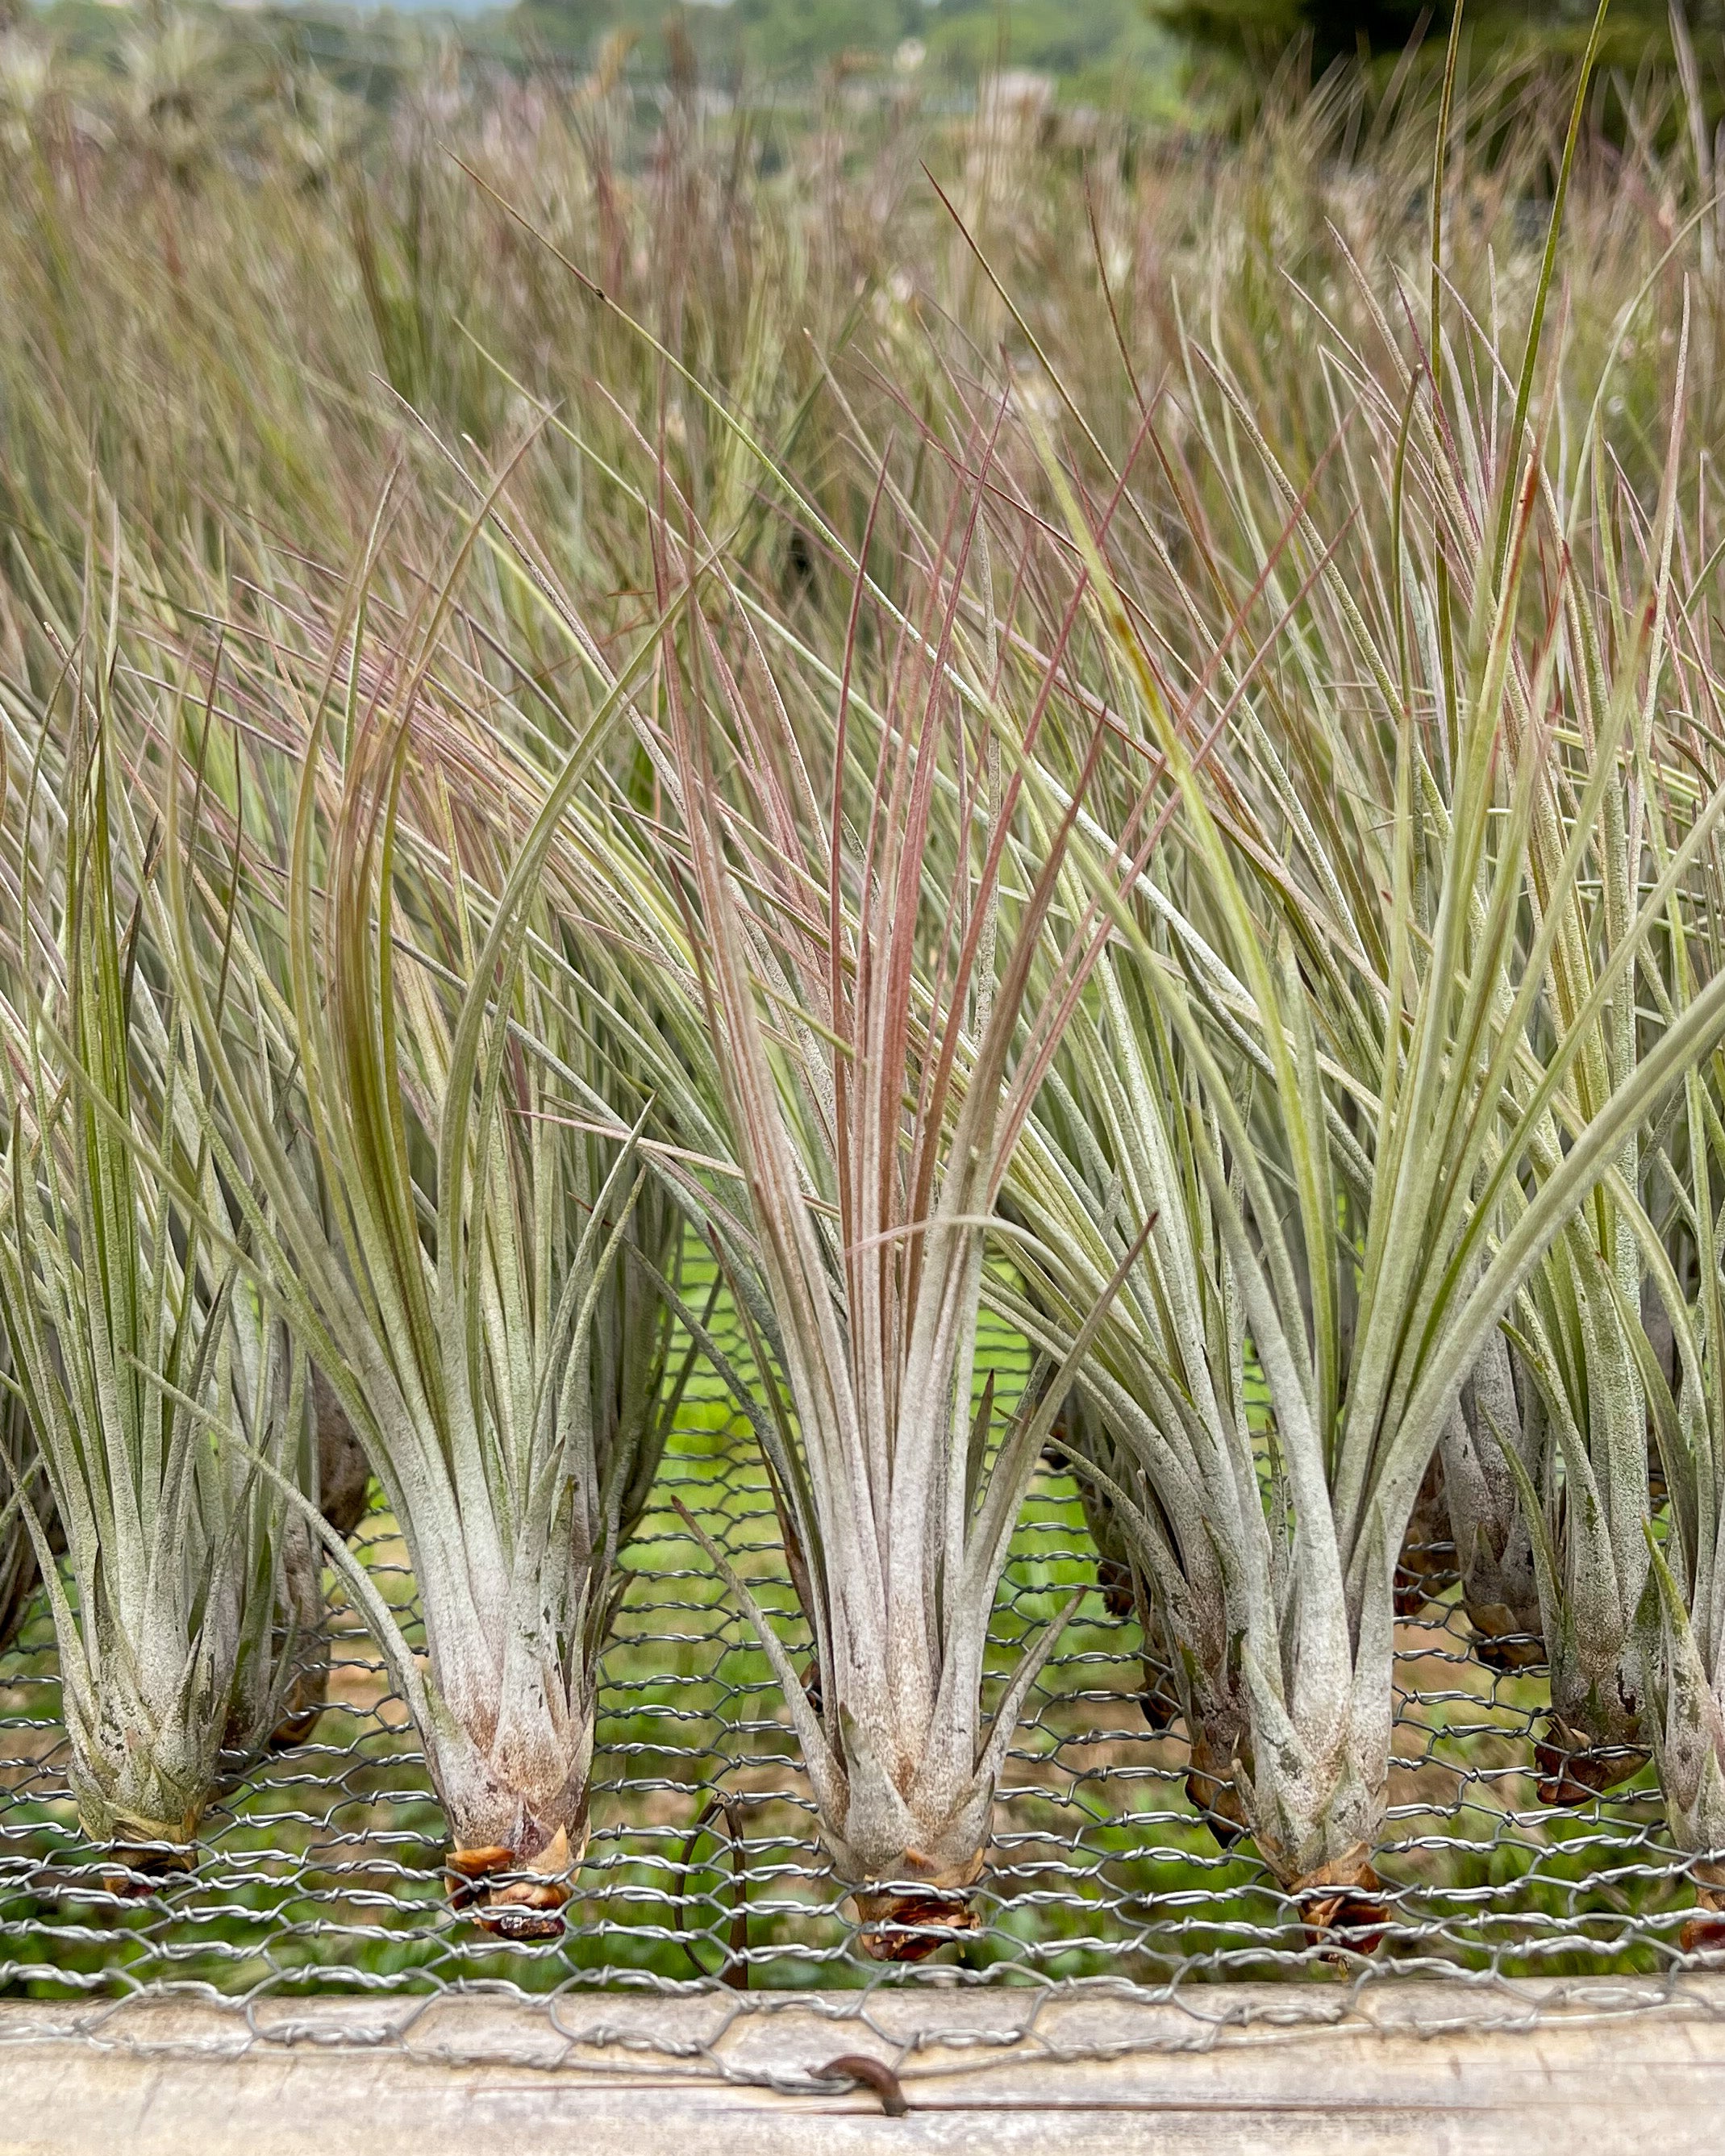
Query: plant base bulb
x: 1704, y: 1933
x: 141, y: 1869
x: 926, y: 1906
x: 1505, y: 1639
x: 143, y: 1848
x: 1341, y: 1906
x: 1572, y: 1772
x: 509, y: 1899
x: 910, y: 1924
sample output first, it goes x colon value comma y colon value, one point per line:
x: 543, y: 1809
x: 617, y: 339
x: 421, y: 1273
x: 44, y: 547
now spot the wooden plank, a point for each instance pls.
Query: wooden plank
x: 1515, y: 2070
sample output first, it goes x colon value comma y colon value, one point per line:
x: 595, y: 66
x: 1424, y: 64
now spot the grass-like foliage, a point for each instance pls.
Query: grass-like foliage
x: 170, y: 1414
x: 483, y: 1278
x: 882, y: 1013
x: 983, y: 717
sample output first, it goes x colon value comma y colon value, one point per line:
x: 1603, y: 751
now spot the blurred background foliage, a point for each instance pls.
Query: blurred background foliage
x: 1203, y: 64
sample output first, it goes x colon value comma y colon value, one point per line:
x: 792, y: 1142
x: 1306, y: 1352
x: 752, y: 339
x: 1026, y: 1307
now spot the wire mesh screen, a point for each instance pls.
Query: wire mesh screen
x: 321, y: 1868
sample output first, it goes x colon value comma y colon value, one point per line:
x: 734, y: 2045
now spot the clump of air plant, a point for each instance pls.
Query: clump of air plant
x: 876, y: 1041
x: 1684, y: 1637
x: 1271, y: 1546
x: 1080, y: 1440
x: 1680, y: 1623
x: 489, y: 1290
x: 342, y: 1492
x: 1378, y: 1126
x: 1580, y: 1329
x: 1468, y: 1526
x: 1174, y: 1686
x: 131, y: 1348
x: 1161, y: 1446
x: 1488, y: 1522
x: 1590, y: 1544
x: 276, y: 1714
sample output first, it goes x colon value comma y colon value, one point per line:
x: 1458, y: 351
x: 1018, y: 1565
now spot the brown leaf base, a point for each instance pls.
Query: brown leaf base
x: 909, y: 1923
x: 1340, y: 1903
x: 293, y: 1729
x: 1510, y: 1658
x: 1416, y: 1583
x: 145, y: 1870
x: 1426, y: 1565
x: 1114, y: 1584
x: 1158, y: 1700
x: 1573, y: 1772
x: 900, y: 1925
x: 1504, y: 1640
x: 507, y: 1898
x: 1705, y: 1932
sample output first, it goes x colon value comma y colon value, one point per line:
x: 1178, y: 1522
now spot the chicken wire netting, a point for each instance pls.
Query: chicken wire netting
x: 321, y: 1868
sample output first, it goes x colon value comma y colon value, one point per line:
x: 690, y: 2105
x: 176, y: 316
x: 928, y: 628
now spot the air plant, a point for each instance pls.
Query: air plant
x: 1500, y: 1411
x: 1577, y: 1333
x: 1164, y: 1449
x: 1682, y: 1621
x: 1469, y: 1527
x: 1580, y: 1333
x: 280, y: 1705
x: 877, y: 1037
x: 342, y: 1492
x: 126, y: 1337
x: 1387, y: 1145
x: 481, y: 1286
x: 1272, y: 1560
x: 1673, y: 1212
x: 1082, y: 1438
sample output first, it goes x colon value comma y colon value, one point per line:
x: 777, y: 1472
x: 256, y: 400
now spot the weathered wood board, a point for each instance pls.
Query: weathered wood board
x: 1444, y: 2069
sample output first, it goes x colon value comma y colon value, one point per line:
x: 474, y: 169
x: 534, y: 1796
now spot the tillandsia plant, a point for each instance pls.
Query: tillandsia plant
x: 1580, y: 1331
x: 1469, y: 1527
x: 1480, y: 1500
x: 1675, y: 1215
x: 1682, y: 1621
x: 1388, y: 1140
x: 1271, y: 1557
x: 881, y: 1013
x: 279, y: 1698
x: 1577, y: 1331
x: 1082, y: 1436
x: 128, y: 1342
x: 339, y: 1480
x: 483, y: 1291
x: 1163, y: 1447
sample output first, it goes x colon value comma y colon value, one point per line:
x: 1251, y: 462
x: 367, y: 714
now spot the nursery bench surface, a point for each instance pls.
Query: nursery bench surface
x: 1576, y: 2068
